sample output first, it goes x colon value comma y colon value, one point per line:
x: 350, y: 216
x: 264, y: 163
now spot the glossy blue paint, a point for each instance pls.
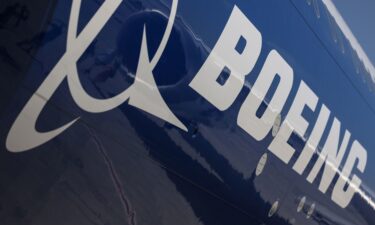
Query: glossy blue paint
x: 125, y: 166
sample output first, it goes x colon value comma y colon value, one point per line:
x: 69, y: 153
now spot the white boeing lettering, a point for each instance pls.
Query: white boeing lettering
x: 343, y: 196
x: 274, y: 66
x: 332, y: 155
x: 224, y: 54
x: 293, y: 122
x: 313, y: 142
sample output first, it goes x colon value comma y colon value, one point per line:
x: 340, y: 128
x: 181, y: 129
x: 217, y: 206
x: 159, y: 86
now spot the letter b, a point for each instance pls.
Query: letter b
x: 224, y: 54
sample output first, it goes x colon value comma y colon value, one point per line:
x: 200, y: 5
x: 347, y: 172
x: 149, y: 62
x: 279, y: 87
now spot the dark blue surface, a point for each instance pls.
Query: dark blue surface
x: 125, y: 166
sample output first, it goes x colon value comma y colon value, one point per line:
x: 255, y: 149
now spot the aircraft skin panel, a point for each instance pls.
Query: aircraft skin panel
x: 183, y: 112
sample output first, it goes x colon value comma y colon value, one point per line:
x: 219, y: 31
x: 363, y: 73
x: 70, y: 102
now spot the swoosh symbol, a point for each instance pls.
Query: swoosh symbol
x: 143, y: 93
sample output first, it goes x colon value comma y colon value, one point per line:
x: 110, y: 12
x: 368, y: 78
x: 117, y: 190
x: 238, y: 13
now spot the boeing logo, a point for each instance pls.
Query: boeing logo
x: 144, y: 94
